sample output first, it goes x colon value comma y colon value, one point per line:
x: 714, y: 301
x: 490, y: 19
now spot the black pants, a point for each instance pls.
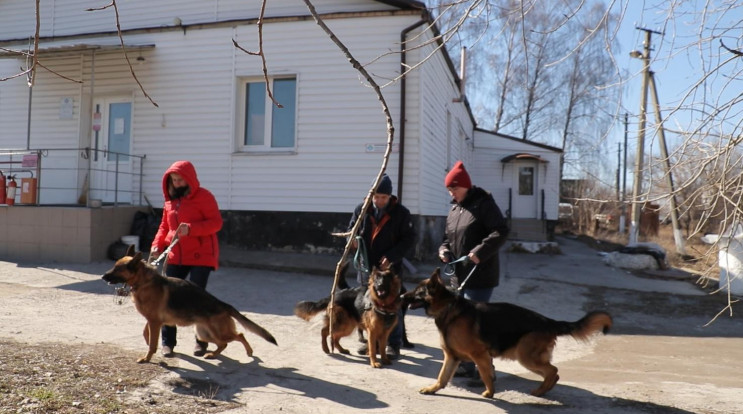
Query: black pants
x: 199, y: 275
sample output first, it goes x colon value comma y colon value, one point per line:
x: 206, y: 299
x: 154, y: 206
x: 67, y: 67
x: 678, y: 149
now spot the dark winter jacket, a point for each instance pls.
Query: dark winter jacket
x: 394, y: 236
x: 199, y: 210
x: 476, y: 226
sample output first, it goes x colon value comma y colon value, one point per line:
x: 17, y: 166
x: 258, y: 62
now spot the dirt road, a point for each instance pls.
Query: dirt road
x: 660, y: 357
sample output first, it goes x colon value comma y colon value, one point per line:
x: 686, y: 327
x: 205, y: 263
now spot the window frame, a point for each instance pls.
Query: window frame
x: 269, y: 108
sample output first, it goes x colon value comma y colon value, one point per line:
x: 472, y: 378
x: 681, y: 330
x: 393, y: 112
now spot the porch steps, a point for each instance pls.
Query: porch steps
x: 528, y: 229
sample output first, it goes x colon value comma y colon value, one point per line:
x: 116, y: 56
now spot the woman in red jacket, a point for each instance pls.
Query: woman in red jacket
x: 191, y: 214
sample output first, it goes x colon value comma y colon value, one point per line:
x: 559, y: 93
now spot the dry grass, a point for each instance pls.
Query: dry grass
x: 700, y: 258
x: 61, y: 378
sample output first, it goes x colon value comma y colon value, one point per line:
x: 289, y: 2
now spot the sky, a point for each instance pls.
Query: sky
x: 676, y: 66
x: 685, y: 45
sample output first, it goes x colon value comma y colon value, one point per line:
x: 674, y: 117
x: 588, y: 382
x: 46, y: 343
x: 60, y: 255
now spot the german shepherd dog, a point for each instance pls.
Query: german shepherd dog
x: 171, y: 301
x: 373, y: 308
x: 480, y: 331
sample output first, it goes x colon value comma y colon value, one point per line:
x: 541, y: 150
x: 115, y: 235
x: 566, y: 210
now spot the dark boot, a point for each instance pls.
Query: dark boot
x: 200, y: 348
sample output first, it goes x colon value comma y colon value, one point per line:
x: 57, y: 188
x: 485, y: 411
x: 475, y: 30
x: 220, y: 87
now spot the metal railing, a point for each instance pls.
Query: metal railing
x: 75, y: 176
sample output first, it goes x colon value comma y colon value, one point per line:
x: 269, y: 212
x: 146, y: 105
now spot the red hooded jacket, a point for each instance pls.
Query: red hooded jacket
x: 199, y: 210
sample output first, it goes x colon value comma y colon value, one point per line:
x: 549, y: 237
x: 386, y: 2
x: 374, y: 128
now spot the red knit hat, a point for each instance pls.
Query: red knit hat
x: 458, y: 177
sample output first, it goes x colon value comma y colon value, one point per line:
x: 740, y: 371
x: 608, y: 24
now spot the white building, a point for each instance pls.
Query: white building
x: 284, y: 177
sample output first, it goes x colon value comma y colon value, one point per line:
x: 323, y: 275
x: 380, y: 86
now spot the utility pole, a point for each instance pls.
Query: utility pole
x: 677, y: 236
x: 619, y: 167
x: 637, y: 185
x: 623, y: 199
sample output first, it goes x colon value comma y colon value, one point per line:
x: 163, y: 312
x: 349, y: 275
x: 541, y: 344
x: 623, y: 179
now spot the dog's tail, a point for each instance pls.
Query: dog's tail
x: 306, y: 309
x: 596, y: 321
x: 252, y: 326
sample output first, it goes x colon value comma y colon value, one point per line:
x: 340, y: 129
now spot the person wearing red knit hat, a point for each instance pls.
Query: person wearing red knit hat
x: 458, y: 177
x: 475, y: 229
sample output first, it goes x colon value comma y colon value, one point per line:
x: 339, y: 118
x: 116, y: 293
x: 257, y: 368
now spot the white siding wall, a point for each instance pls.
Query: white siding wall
x: 66, y: 17
x: 13, y: 106
x: 48, y: 129
x: 192, y: 77
x: 489, y: 173
x: 438, y: 93
x: 338, y: 116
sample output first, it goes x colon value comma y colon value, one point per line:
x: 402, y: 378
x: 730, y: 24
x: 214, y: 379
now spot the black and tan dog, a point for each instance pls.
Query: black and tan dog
x: 480, y: 331
x: 171, y: 301
x: 373, y: 308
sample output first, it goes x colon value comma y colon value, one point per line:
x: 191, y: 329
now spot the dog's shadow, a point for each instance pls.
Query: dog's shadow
x: 512, y: 395
x: 421, y: 360
x: 229, y: 377
x: 425, y: 361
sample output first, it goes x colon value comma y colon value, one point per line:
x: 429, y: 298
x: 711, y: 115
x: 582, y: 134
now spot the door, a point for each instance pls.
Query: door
x: 525, y: 186
x: 111, y: 178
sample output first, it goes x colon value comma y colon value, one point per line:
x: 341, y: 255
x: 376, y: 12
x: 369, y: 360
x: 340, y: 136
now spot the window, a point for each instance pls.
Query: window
x: 265, y: 126
x: 526, y: 180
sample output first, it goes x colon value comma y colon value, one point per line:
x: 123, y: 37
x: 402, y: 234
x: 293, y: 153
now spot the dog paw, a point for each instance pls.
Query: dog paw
x: 143, y: 360
x: 210, y: 355
x: 344, y: 351
x: 387, y: 361
x: 487, y: 394
x: 428, y: 390
x: 376, y: 364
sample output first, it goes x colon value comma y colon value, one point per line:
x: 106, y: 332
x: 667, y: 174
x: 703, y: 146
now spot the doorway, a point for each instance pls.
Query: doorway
x: 525, y: 194
x: 111, y: 141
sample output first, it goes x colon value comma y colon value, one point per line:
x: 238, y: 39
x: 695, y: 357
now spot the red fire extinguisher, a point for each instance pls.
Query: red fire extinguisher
x: 12, y: 186
x: 2, y: 188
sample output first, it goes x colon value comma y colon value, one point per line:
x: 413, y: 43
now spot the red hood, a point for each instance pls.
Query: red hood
x: 186, y: 170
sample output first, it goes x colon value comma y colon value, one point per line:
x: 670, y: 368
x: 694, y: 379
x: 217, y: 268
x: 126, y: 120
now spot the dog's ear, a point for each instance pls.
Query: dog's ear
x: 137, y: 257
x: 436, y: 276
x: 133, y: 264
x: 130, y: 251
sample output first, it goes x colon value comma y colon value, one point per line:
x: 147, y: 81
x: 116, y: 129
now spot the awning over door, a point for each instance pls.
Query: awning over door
x: 522, y: 156
x: 58, y: 49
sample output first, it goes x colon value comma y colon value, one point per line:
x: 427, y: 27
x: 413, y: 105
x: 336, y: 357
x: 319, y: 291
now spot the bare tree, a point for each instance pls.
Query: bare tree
x: 590, y: 102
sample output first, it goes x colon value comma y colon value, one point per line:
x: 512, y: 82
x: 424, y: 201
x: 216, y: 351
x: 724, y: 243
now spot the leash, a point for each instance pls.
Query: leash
x: 360, y: 259
x: 122, y: 292
x: 450, y: 270
x: 164, y: 254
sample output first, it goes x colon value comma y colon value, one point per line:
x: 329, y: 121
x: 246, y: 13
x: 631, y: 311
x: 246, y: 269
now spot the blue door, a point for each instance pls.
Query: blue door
x: 111, y: 179
x: 119, y: 131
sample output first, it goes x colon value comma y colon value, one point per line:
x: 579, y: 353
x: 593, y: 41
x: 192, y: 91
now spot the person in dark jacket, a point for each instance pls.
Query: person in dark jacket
x: 190, y: 213
x: 475, y: 228
x: 388, y: 235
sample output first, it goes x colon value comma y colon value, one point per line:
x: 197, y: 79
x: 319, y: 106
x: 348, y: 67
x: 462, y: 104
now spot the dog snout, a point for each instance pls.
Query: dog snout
x: 112, y: 278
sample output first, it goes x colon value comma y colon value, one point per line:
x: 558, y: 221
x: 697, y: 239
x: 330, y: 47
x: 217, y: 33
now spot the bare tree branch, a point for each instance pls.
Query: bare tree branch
x: 390, y: 135
x: 123, y: 48
x: 733, y: 51
x: 261, y: 54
